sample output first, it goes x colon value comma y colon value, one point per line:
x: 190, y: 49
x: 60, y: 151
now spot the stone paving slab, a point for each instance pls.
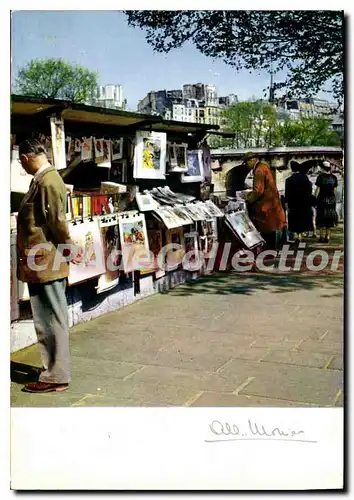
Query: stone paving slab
x: 230, y: 339
x: 224, y: 399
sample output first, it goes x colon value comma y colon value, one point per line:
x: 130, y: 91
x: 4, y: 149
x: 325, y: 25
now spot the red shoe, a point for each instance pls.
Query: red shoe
x: 45, y: 387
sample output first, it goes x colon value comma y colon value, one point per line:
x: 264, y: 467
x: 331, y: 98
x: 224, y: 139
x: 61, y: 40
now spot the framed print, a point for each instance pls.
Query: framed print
x: 167, y: 216
x: 134, y: 242
x: 150, y: 155
x: 241, y: 225
x: 111, y: 245
x: 117, y: 149
x: 146, y: 202
x: 87, y: 235
x: 58, y: 142
x: 86, y: 149
x: 181, y: 156
x: 119, y: 171
x: 195, y: 167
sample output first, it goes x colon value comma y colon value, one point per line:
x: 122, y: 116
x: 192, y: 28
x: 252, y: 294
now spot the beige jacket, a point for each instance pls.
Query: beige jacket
x: 42, y: 221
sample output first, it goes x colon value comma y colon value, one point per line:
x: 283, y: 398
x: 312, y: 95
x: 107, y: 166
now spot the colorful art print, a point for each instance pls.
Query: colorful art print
x: 146, y: 202
x: 241, y: 225
x: 195, y: 167
x: 111, y: 245
x: 118, y: 171
x: 150, y: 155
x: 117, y: 149
x: 87, y: 236
x: 99, y: 150
x: 134, y: 242
x: 58, y: 142
x: 181, y: 155
x: 86, y: 149
x: 106, y: 154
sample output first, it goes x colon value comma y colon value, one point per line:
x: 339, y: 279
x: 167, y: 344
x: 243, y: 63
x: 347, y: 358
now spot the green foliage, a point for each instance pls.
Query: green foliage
x: 56, y: 79
x: 307, y: 44
x: 256, y: 124
x: 306, y: 132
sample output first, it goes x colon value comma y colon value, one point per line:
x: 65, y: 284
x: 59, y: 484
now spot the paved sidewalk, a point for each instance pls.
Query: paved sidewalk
x: 246, y: 339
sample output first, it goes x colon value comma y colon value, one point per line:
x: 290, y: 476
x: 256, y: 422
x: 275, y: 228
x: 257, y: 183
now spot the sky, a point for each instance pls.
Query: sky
x: 103, y: 42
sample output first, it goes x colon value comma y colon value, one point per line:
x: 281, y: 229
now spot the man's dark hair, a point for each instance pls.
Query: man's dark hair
x: 31, y: 147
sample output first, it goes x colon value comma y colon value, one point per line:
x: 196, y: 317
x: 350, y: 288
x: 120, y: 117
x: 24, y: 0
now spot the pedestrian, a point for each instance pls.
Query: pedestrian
x: 299, y: 200
x: 41, y: 227
x: 265, y: 206
x: 327, y: 217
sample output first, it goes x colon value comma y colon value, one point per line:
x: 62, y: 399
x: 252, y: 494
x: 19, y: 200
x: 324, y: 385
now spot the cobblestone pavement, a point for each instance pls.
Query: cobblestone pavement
x: 230, y: 339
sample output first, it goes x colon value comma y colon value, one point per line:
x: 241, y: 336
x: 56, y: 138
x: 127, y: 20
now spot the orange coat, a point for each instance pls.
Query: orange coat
x: 266, y: 209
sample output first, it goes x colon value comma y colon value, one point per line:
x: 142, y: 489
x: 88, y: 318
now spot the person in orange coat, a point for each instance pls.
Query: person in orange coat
x: 264, y: 201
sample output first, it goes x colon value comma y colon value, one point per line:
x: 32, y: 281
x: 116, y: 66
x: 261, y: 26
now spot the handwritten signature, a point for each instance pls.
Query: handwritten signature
x: 253, y: 431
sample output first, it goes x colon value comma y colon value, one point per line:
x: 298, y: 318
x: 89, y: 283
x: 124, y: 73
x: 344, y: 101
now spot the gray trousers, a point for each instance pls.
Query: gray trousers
x: 51, y: 322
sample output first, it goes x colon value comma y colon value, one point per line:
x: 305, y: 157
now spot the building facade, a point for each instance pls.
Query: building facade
x: 195, y: 103
x: 109, y: 96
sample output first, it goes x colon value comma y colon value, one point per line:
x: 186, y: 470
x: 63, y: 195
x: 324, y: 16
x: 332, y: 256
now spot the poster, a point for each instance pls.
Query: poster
x: 241, y: 225
x: 117, y: 149
x: 111, y: 245
x: 87, y: 236
x: 58, y: 142
x: 150, y: 155
x: 195, y: 167
x: 134, y: 242
x: 146, y: 202
x: 86, y: 149
x: 106, y: 154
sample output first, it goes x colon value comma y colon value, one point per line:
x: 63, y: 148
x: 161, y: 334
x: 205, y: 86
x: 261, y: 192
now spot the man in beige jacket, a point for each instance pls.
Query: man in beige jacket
x: 44, y: 250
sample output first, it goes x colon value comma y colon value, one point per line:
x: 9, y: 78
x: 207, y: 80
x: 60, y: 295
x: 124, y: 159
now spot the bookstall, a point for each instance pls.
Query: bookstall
x: 135, y: 183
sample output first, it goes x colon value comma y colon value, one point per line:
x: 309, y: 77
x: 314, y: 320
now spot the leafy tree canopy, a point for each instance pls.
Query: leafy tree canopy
x: 256, y: 123
x: 307, y: 44
x: 56, y: 79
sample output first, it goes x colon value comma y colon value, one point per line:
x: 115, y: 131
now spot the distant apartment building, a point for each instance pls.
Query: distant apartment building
x: 109, y: 96
x: 196, y: 103
x: 309, y: 107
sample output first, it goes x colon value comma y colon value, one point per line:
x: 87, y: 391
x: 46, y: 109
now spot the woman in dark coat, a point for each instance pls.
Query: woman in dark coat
x: 299, y: 200
x: 327, y: 216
